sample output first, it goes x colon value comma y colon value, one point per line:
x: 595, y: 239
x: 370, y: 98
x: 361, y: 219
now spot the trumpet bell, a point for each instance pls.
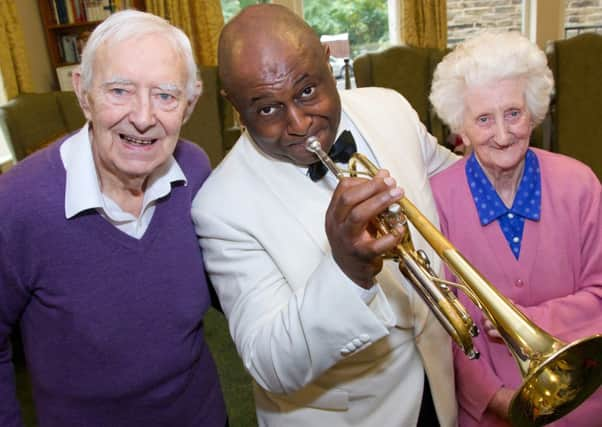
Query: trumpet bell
x: 558, y: 384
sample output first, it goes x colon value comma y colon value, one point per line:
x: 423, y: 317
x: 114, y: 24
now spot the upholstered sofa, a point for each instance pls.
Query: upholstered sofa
x: 32, y: 120
x: 576, y: 125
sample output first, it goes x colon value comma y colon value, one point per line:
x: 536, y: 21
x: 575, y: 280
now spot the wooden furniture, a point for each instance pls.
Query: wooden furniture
x: 55, y: 31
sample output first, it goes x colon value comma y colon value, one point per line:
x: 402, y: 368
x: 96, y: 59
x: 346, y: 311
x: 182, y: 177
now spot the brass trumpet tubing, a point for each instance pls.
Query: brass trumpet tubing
x: 556, y: 377
x: 449, y: 317
x: 453, y: 317
x: 525, y: 338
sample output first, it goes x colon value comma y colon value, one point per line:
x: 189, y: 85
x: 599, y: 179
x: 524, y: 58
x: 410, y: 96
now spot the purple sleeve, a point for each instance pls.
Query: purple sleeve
x: 12, y: 301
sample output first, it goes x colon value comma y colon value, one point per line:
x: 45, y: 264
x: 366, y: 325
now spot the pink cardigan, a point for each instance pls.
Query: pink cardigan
x: 557, y: 282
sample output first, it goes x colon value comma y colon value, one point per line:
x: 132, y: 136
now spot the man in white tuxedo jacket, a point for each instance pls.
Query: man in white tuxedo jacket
x: 332, y: 335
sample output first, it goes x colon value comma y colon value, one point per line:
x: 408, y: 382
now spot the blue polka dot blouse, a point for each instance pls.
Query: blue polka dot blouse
x: 526, y: 205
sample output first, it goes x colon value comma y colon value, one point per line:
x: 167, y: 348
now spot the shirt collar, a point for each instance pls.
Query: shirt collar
x: 344, y: 124
x: 82, y: 189
x: 527, y: 201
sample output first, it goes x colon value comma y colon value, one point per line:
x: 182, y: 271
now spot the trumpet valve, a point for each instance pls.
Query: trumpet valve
x: 393, y: 217
x: 395, y: 209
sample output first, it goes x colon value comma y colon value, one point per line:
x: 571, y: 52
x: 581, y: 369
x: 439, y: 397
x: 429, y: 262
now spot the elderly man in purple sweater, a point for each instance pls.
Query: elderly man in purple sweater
x: 99, y: 263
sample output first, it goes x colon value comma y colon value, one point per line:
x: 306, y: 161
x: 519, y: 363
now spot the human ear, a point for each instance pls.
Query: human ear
x: 82, y: 95
x: 465, y: 139
x: 326, y: 54
x: 238, y: 117
x: 191, y: 101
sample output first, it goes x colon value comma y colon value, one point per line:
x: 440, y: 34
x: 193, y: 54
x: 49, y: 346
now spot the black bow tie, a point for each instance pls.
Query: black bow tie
x: 340, y: 152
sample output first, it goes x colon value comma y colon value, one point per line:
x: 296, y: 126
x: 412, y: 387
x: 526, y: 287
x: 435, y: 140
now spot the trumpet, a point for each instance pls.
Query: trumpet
x: 557, y: 377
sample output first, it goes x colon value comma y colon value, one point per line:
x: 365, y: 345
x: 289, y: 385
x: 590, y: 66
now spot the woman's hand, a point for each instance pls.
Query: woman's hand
x: 500, y: 402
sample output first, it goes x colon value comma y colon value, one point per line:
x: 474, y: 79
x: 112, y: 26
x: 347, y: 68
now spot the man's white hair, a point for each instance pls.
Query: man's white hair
x: 129, y: 24
x: 486, y: 58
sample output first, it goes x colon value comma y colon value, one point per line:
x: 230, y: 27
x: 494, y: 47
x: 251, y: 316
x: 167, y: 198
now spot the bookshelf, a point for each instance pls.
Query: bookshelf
x: 67, y: 22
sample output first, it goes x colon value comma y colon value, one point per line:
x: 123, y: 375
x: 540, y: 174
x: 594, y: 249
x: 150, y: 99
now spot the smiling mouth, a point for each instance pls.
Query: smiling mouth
x: 137, y: 141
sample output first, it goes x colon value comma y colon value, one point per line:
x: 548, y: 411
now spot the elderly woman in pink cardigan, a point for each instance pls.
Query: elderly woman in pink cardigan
x: 528, y: 219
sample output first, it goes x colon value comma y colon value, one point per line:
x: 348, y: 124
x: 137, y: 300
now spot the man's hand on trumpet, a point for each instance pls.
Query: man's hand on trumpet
x: 354, y: 205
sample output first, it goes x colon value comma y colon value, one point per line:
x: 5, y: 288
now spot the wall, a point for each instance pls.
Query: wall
x: 583, y: 13
x: 42, y: 73
x: 466, y: 17
x: 545, y: 19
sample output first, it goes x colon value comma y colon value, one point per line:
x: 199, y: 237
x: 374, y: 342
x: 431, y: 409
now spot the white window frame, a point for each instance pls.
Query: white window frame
x: 543, y: 20
x: 6, y: 153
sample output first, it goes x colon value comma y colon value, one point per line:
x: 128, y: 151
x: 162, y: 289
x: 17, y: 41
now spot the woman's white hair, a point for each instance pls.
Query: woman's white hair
x: 129, y: 24
x: 486, y: 58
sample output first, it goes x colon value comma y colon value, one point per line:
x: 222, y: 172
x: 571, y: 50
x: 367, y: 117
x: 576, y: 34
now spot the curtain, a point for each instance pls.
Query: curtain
x: 201, y: 20
x: 14, y: 68
x: 425, y: 23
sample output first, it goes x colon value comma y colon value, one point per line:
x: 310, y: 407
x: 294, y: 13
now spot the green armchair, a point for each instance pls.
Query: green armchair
x: 576, y: 125
x: 409, y: 71
x: 33, y: 120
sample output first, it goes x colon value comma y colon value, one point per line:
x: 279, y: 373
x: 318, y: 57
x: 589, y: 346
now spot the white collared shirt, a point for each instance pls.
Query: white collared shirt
x: 82, y: 189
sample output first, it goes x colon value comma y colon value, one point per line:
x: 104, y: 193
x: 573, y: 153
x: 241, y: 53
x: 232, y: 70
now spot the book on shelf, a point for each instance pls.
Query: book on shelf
x: 70, y: 15
x: 69, y: 48
x: 64, y: 76
x: 72, y: 45
x: 61, y: 11
x: 72, y: 11
x: 54, y: 11
x: 97, y: 10
x: 68, y: 11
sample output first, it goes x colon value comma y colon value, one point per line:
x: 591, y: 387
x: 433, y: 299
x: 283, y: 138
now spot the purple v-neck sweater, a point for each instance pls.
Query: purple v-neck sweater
x: 111, y: 325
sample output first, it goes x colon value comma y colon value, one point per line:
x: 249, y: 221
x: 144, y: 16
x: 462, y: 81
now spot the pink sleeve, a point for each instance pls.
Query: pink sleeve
x: 476, y: 383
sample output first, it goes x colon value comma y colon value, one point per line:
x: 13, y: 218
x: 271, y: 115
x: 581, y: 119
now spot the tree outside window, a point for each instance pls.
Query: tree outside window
x: 365, y: 22
x: 232, y: 7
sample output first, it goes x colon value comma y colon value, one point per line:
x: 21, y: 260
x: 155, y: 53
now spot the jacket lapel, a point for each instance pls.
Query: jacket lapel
x: 303, y: 199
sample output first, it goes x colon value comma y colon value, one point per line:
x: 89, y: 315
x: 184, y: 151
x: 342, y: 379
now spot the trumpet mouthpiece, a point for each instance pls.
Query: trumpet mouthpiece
x: 313, y: 144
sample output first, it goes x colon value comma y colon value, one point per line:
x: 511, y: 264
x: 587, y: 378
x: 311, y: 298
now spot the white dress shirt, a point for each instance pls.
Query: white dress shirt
x: 330, y: 182
x: 83, y: 192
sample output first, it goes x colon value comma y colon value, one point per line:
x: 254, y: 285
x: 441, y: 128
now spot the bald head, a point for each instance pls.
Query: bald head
x: 262, y: 34
x: 276, y: 73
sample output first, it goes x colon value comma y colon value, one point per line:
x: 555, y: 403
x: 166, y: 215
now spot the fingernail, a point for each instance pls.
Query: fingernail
x: 395, y: 192
x: 389, y: 181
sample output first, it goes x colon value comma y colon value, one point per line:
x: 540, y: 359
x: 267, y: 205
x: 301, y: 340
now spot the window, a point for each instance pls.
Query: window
x: 6, y: 156
x: 349, y: 28
x: 232, y: 7
x: 352, y: 26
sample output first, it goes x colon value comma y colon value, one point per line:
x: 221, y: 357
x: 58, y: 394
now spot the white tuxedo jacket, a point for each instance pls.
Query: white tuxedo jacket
x: 320, y: 356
